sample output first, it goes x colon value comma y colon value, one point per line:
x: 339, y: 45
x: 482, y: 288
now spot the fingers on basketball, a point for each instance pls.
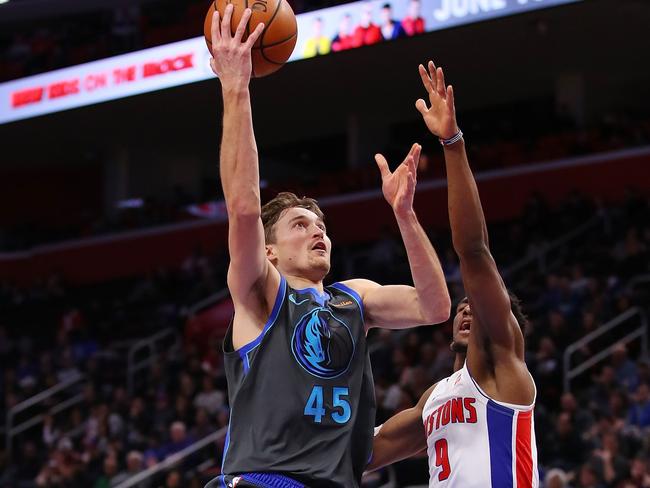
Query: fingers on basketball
x: 270, y: 32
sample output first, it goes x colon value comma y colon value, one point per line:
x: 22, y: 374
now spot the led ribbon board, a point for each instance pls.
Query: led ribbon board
x: 188, y: 61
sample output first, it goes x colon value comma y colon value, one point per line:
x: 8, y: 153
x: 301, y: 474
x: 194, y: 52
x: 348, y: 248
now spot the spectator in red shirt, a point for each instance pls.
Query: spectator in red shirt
x: 413, y: 23
x: 366, y: 32
x: 343, y: 39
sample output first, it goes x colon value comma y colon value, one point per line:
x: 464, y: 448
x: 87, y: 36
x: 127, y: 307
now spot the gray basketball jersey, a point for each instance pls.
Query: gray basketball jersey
x: 302, y: 395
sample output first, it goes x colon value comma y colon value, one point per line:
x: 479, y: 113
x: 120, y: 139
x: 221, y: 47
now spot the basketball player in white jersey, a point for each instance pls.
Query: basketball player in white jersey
x: 477, y: 424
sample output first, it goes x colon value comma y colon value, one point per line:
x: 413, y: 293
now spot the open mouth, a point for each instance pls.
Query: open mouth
x: 465, y: 325
x: 319, y: 246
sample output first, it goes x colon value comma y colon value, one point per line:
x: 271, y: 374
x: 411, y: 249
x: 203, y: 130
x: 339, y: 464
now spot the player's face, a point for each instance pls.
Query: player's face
x: 301, y: 246
x: 462, y: 324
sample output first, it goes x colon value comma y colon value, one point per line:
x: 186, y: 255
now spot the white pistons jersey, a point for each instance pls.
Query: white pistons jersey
x: 476, y: 442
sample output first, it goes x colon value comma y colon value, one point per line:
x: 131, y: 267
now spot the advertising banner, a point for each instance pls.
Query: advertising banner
x: 321, y: 32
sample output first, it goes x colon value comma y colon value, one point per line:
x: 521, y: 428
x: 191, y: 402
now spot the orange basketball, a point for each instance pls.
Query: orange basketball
x: 278, y: 39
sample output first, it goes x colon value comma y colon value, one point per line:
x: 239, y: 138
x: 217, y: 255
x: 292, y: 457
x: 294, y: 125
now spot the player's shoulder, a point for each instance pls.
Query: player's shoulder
x: 360, y: 285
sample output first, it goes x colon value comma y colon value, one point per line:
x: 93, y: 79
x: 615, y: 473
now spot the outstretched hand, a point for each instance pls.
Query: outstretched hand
x: 440, y: 117
x: 399, y: 186
x: 231, y: 57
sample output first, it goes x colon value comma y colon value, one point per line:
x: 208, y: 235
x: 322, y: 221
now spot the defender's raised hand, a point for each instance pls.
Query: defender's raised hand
x: 231, y: 57
x: 440, y: 117
x: 399, y: 186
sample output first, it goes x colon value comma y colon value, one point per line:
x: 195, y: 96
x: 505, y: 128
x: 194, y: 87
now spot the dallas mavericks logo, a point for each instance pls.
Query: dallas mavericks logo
x: 322, y: 344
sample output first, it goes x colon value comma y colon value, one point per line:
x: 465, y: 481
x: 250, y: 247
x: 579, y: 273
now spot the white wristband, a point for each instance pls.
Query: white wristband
x: 452, y: 140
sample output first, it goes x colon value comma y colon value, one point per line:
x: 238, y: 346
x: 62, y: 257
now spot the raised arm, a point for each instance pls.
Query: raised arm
x: 401, y: 436
x: 494, y: 328
x: 249, y: 272
x: 427, y: 302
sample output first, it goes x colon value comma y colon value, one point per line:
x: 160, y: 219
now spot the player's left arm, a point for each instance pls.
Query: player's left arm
x: 494, y: 324
x: 401, y: 436
x: 400, y: 306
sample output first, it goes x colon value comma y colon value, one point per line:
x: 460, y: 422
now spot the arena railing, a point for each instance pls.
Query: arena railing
x: 207, y: 302
x: 151, y: 347
x: 174, y: 459
x: 70, y: 385
x: 640, y: 332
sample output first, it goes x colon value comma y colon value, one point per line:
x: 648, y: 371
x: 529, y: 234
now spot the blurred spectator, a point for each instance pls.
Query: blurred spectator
x: 343, y: 39
x: 547, y: 369
x: 178, y: 440
x: 556, y: 478
x: 173, y: 479
x: 582, y: 418
x: 209, y: 398
x: 63, y: 468
x: 28, y: 465
x: 602, y: 388
x: 589, y: 477
x: 564, y: 448
x: 109, y: 474
x: 639, y: 415
x: 390, y: 28
x: 413, y: 23
x: 134, y: 465
x: 624, y: 369
x: 202, y: 425
x: 613, y: 464
x: 125, y: 28
x: 366, y: 33
x: 639, y: 475
x: 317, y: 44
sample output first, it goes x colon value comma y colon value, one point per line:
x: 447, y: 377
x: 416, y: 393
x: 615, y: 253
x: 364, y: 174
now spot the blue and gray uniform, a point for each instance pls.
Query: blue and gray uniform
x: 302, y: 396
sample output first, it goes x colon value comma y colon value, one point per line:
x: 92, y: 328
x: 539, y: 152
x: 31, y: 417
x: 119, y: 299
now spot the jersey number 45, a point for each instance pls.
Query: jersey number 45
x: 340, y: 412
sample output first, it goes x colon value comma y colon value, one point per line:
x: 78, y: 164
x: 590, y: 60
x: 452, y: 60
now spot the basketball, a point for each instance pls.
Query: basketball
x: 278, y: 39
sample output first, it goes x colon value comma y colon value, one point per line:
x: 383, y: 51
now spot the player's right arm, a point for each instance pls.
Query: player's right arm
x: 252, y: 280
x: 401, y: 436
x: 496, y: 345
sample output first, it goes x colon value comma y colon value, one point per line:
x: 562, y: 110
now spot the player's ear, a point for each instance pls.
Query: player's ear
x: 271, y: 253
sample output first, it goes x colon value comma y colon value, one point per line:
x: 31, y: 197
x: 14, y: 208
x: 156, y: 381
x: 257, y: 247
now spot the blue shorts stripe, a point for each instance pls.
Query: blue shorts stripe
x: 271, y: 480
x: 499, y: 420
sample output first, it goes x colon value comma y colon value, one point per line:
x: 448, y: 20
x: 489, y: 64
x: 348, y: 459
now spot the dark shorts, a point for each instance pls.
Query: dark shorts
x: 254, y: 480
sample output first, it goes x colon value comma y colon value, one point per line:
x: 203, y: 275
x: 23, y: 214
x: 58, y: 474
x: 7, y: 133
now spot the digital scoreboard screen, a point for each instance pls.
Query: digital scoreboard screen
x: 320, y: 32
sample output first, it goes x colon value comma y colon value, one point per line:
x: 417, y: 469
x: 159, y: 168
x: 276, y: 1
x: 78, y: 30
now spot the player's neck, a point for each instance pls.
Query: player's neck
x: 300, y: 282
x: 459, y: 361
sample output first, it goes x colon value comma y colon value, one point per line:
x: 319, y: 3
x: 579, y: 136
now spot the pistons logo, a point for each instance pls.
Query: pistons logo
x: 322, y: 344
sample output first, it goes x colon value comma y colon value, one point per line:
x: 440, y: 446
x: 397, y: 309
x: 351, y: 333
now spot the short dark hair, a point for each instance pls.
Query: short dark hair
x: 272, y: 211
x: 515, y: 307
x: 387, y: 5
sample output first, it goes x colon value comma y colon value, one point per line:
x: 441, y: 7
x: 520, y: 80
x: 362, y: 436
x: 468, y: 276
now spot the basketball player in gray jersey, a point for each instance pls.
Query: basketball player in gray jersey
x: 299, y: 379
